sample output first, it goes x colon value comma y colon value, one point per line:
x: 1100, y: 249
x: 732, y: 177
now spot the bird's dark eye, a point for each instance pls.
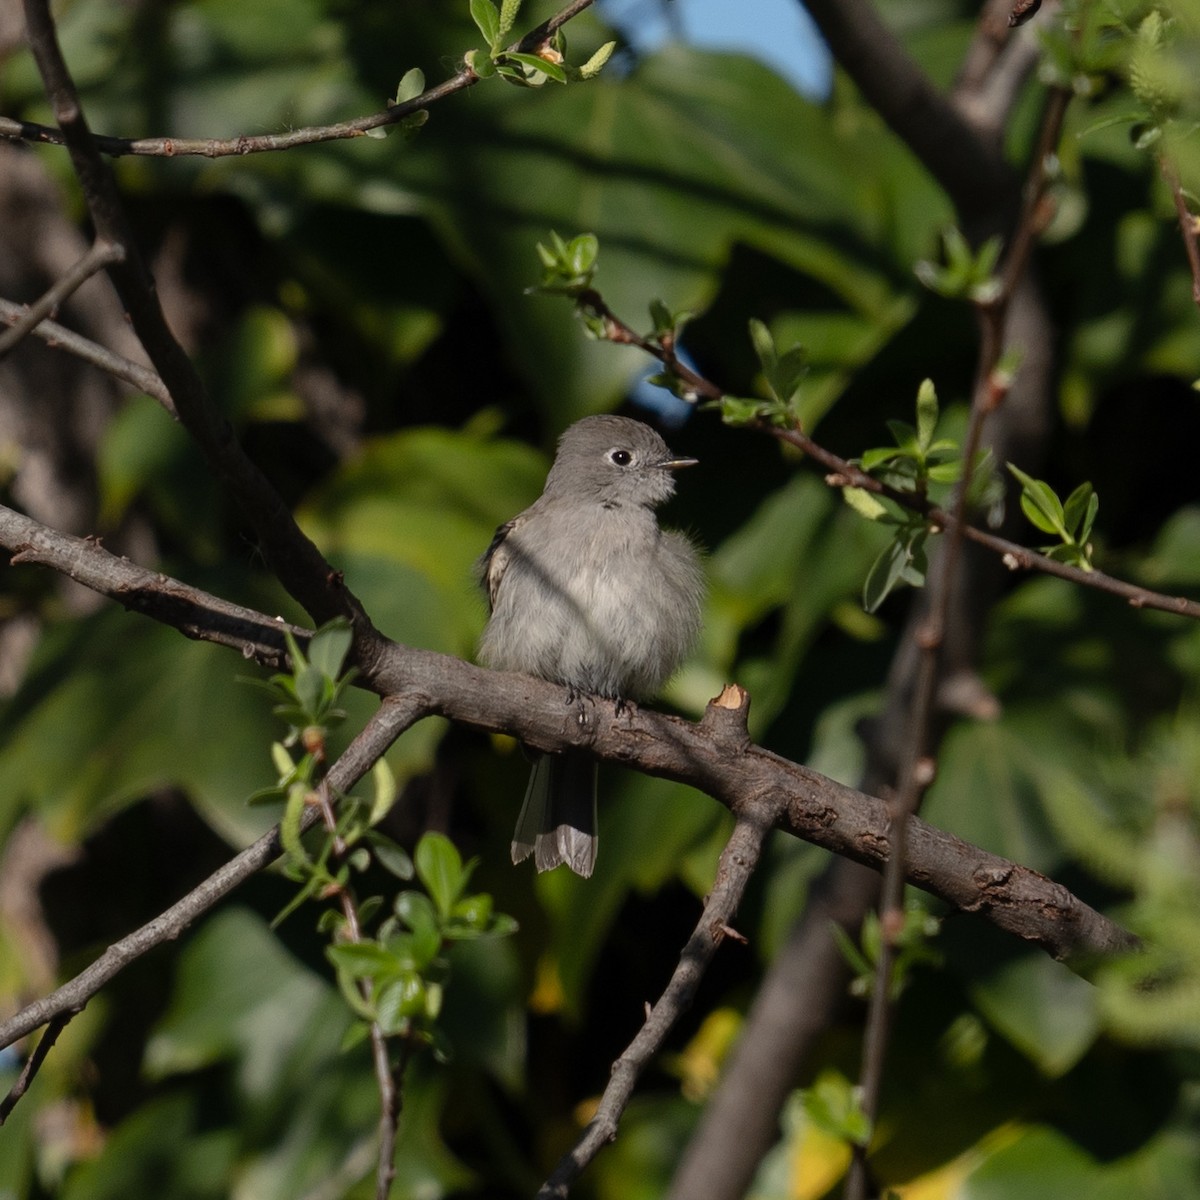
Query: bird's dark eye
x: 621, y: 457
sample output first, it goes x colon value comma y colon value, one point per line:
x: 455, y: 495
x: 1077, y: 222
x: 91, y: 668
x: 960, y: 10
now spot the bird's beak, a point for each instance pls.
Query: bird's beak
x: 674, y: 464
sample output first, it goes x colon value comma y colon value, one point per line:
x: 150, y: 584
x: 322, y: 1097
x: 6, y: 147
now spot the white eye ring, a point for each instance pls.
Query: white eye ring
x: 622, y: 458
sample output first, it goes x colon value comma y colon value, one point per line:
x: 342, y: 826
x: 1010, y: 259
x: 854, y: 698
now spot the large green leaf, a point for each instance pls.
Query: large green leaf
x: 1050, y: 1014
x: 408, y: 519
x: 116, y: 707
x: 304, y: 1111
x: 233, y: 980
x: 163, y: 1149
x: 802, y: 553
x: 1040, y: 1161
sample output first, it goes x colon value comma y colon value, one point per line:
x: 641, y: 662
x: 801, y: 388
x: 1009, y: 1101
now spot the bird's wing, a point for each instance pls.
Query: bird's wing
x: 496, y: 558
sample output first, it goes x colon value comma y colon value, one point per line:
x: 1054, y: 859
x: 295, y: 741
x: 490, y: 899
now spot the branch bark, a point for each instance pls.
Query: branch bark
x: 757, y: 786
x: 119, y: 367
x: 98, y: 256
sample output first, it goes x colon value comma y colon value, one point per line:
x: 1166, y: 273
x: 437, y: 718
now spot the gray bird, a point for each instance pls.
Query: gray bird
x: 586, y: 590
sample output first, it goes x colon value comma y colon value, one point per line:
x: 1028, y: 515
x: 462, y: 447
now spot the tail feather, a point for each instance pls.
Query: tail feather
x: 558, y: 818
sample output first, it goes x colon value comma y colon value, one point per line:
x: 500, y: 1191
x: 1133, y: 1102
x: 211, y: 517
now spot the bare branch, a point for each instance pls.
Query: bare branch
x: 98, y: 256
x: 34, y: 1062
x: 790, y: 1013
x: 385, y: 1077
x: 1189, y: 224
x: 243, y: 144
x: 56, y: 335
x: 971, y: 170
x: 194, y: 613
x: 734, y: 869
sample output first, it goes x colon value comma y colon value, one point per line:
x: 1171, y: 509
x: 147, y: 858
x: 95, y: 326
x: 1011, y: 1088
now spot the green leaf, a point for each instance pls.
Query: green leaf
x: 833, y: 1105
x: 474, y: 912
x: 359, y: 960
x: 481, y: 63
x: 411, y: 85
x: 878, y: 455
x: 383, y: 780
x: 400, y: 1002
x: 440, y: 869
x: 417, y: 911
x: 901, y: 561
x: 738, y: 410
x: 950, y: 472
x: 764, y: 344
x: 1089, y: 518
x: 661, y: 318
x: 865, y: 503
x: 905, y: 435
x: 533, y: 63
x: 1079, y: 511
x: 282, y: 761
x: 886, y: 574
x: 581, y: 252
x: 1040, y: 504
x: 927, y: 414
x: 290, y: 826
x: 328, y: 647
x: 487, y: 18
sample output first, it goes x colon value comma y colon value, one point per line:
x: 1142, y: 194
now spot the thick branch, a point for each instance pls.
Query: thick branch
x: 193, y: 612
x: 753, y: 783
x: 970, y: 169
x: 296, y: 561
x: 756, y: 785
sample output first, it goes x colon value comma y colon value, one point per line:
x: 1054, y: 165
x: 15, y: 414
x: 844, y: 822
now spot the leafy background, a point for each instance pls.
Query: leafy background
x: 395, y: 274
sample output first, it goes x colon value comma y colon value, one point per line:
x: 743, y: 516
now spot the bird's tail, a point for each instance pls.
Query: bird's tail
x: 558, y: 819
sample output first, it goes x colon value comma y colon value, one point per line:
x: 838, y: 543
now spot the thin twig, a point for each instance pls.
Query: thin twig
x: 60, y: 337
x: 243, y: 144
x: 733, y: 874
x: 918, y: 767
x: 1035, y: 212
x: 385, y: 1076
x: 734, y: 869
x: 34, y: 1062
x: 843, y: 473
x: 1189, y: 224
x: 195, y: 613
x: 97, y: 257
